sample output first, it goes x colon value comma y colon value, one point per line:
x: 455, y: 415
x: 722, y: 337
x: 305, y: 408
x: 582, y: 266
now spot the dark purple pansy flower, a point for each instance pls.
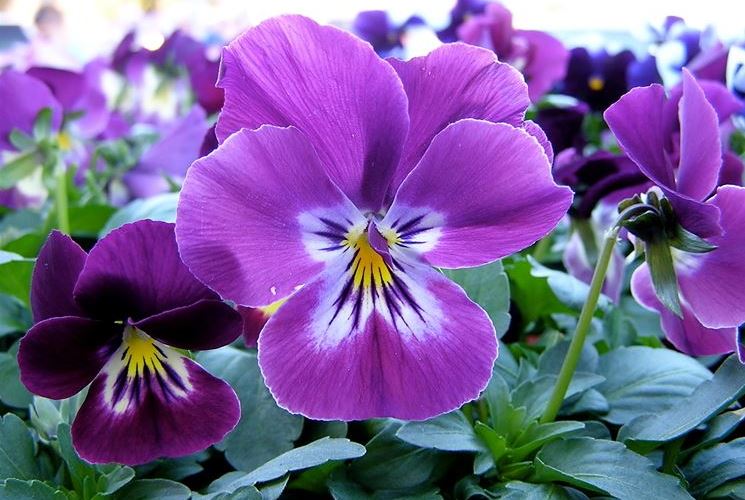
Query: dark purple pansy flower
x: 598, y: 78
x: 117, y: 319
x: 340, y: 181
x: 563, y: 125
x: 540, y: 57
x: 712, y: 300
x: 376, y: 27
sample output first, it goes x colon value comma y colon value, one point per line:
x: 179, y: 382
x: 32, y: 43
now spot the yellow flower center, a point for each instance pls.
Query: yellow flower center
x: 368, y: 267
x: 141, y: 351
x: 596, y: 83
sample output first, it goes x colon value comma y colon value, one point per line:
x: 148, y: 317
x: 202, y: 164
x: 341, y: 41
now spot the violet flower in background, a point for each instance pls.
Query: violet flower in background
x: 563, y: 125
x: 541, y: 58
x: 117, y: 319
x: 598, y: 79
x: 462, y: 11
x: 711, y: 298
x: 377, y: 28
x: 401, y: 166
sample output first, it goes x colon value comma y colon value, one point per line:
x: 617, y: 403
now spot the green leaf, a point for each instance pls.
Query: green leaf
x: 80, y: 472
x: 264, y: 430
x: 15, y: 276
x: 568, y: 289
x: 449, y: 432
x: 12, y: 391
x: 661, y: 270
x: 532, y: 295
x: 719, y: 428
x: 534, y: 394
x: 113, y: 478
x: 517, y: 490
x: 18, y: 169
x: 714, y: 466
x: 14, y: 318
x: 537, y: 435
x: 14, y: 489
x: 641, y: 380
x: 161, y: 207
x: 43, y: 124
x: 734, y: 490
x: 393, y: 464
x: 311, y: 455
x: 17, y: 450
x: 605, y: 467
x: 489, y: 287
x: 552, y: 358
x: 146, y: 489
x: 706, y: 401
x: 87, y: 220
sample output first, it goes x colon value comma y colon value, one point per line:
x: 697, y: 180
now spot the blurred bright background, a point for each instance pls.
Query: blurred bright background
x: 74, y: 31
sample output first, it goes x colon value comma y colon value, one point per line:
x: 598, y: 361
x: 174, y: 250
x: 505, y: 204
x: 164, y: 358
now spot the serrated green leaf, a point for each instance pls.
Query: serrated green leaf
x: 605, y: 467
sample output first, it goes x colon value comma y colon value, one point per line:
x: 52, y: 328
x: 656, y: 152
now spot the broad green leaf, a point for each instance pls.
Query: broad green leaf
x: 80, y: 472
x: 733, y: 489
x: 569, y: 290
x: 706, y: 401
x: 113, y: 478
x: 719, y: 428
x: 393, y: 464
x: 517, y: 490
x: 265, y: 430
x: 146, y: 489
x: 714, y: 466
x: 605, y: 467
x: 15, y: 276
x: 12, y: 391
x: 15, y: 489
x: 532, y: 294
x: 641, y: 380
x: 552, y: 358
x: 645, y: 322
x: 18, y: 168
x: 17, y: 451
x: 534, y: 394
x: 14, y: 317
x: 88, y: 220
x: 161, y: 207
x: 311, y: 455
x: 449, y: 432
x: 536, y: 435
x: 489, y: 287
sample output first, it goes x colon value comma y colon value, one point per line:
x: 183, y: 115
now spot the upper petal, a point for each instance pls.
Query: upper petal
x: 23, y: 96
x: 482, y: 191
x: 149, y: 402
x: 712, y: 282
x: 135, y: 271
x: 700, y: 146
x: 637, y: 121
x: 546, y: 64
x: 688, y: 334
x: 59, y: 356
x: 254, y: 216
x: 402, y: 341
x: 329, y: 84
x: 56, y: 271
x: 453, y: 82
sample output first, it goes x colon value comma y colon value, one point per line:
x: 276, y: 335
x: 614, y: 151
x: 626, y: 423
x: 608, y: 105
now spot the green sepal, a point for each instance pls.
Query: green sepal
x: 18, y: 168
x: 661, y: 269
x: 21, y: 140
x: 689, y: 242
x: 43, y: 124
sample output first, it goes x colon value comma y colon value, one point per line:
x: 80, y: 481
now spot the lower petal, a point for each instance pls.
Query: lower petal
x: 688, y: 335
x: 405, y: 343
x: 149, y: 402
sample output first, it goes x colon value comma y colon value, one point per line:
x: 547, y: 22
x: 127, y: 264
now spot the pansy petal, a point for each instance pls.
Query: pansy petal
x: 135, y: 271
x: 58, y: 357
x: 207, y: 324
x: 258, y: 216
x: 578, y: 265
x: 637, y: 121
x: 712, y: 282
x: 700, y: 146
x: 23, y: 96
x: 536, y: 131
x: 697, y: 217
x: 55, y: 273
x: 482, y: 191
x: 149, y: 402
x: 687, y: 334
x: 732, y: 171
x: 407, y: 344
x: 329, y: 84
x: 546, y: 64
x: 453, y: 82
x: 254, y: 319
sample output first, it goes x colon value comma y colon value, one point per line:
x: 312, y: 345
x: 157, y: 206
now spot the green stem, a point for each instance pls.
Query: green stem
x: 60, y: 198
x: 583, y: 325
x: 670, y: 455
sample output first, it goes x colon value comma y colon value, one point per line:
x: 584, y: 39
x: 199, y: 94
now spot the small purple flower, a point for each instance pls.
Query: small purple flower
x: 598, y: 78
x: 462, y: 11
x: 340, y: 181
x: 117, y: 319
x: 563, y: 125
x: 712, y: 300
x: 540, y: 57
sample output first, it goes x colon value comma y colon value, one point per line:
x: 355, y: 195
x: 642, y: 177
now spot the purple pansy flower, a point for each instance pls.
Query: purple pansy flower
x: 563, y: 125
x: 598, y: 78
x: 117, y: 319
x: 462, y: 11
x: 540, y: 57
x: 341, y: 180
x: 712, y: 300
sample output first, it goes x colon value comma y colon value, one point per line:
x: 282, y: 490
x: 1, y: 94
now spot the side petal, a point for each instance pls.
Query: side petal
x: 259, y: 216
x: 637, y: 120
x: 289, y: 71
x: 712, y: 282
x: 58, y: 357
x: 56, y: 271
x: 23, y: 96
x: 482, y: 191
x: 547, y: 62
x: 688, y: 335
x: 135, y: 271
x: 453, y: 82
x: 409, y: 345
x: 149, y: 403
x: 700, y: 146
x: 207, y: 324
